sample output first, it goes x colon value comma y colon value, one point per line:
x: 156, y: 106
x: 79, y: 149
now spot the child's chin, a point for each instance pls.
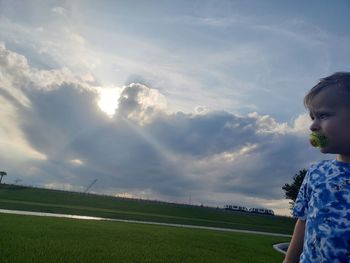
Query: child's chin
x: 326, y: 150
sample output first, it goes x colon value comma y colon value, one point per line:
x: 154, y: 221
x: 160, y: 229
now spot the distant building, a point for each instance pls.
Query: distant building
x: 261, y: 211
x: 236, y: 208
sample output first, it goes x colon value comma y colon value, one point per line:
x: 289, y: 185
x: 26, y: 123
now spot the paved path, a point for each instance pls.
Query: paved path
x: 17, y: 212
x: 281, y: 247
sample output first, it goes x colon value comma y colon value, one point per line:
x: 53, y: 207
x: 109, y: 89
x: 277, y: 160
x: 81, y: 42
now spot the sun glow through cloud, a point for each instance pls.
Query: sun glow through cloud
x: 76, y: 162
x: 108, y: 101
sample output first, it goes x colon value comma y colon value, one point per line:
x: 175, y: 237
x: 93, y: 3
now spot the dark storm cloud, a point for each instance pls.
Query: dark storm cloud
x: 202, y: 135
x: 269, y: 167
x: 59, y: 116
x: 145, y: 148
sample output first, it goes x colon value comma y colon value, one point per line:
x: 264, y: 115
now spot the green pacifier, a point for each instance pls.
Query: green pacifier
x: 318, y: 140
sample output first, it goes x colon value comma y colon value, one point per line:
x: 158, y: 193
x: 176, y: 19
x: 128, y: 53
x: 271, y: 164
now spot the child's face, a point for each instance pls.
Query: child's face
x: 330, y: 114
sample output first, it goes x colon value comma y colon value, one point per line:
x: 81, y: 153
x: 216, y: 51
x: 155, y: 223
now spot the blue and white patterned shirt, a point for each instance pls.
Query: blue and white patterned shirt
x: 324, y: 202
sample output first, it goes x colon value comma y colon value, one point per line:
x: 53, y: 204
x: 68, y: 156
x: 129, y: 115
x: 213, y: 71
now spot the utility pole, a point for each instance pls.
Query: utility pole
x: 17, y: 181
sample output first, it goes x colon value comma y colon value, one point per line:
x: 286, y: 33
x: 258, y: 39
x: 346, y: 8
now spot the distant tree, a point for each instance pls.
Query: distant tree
x: 292, y: 190
x: 2, y: 173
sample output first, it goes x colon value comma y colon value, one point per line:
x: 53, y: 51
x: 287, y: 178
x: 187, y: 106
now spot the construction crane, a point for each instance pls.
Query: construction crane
x: 2, y: 173
x: 90, y: 185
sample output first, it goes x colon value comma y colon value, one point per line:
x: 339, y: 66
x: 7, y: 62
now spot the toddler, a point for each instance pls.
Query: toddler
x: 322, y: 208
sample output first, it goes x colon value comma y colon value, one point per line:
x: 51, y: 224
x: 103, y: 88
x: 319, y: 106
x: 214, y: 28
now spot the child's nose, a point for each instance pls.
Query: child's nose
x: 315, y: 126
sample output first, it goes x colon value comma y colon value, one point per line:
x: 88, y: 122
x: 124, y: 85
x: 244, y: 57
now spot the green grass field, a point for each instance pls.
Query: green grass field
x: 43, y: 239
x: 44, y: 200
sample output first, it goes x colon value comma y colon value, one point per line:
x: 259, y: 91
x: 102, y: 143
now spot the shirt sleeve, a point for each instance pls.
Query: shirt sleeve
x: 301, y: 205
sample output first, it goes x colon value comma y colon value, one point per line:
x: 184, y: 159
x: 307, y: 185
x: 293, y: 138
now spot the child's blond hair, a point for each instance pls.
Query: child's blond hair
x: 339, y: 79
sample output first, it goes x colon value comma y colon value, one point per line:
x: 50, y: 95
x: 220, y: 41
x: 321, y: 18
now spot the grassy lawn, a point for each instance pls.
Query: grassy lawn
x: 44, y: 200
x: 42, y: 239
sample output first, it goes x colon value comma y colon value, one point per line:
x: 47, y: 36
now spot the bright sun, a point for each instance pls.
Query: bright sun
x: 108, y: 101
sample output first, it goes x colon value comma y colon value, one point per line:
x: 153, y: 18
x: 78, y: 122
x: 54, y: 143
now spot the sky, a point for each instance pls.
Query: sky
x: 196, y: 102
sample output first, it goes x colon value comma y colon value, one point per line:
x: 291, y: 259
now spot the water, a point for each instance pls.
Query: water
x: 17, y: 212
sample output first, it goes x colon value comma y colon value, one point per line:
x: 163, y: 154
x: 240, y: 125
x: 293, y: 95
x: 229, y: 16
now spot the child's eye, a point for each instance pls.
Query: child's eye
x: 324, y: 116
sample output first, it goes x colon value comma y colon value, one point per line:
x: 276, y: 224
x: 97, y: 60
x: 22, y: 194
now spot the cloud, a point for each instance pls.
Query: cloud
x: 58, y: 10
x: 138, y: 102
x: 145, y: 150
